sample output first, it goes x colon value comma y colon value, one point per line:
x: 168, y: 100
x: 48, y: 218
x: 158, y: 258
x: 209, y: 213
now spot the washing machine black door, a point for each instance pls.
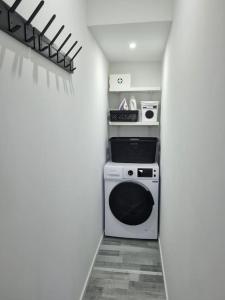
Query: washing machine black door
x: 149, y: 114
x: 131, y: 203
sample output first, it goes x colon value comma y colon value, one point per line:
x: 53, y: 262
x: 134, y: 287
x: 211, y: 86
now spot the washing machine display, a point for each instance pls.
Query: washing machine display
x: 131, y: 200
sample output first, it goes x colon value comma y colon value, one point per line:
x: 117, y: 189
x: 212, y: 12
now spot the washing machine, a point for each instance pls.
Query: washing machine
x: 131, y: 200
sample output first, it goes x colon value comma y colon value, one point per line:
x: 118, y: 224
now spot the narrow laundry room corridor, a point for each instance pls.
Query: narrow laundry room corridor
x: 126, y: 270
x: 112, y: 149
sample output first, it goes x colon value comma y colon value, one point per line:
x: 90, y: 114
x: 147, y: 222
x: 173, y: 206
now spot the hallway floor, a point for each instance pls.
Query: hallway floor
x: 126, y: 270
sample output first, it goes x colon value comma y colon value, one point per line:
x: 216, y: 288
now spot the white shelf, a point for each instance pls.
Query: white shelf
x: 133, y: 124
x: 138, y: 89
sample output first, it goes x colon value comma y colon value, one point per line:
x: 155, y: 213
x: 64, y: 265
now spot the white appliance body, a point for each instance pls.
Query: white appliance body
x: 131, y: 200
x: 119, y: 82
x: 149, y: 111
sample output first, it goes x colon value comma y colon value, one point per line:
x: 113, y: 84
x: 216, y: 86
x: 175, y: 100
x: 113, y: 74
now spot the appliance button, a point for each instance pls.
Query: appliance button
x: 130, y: 172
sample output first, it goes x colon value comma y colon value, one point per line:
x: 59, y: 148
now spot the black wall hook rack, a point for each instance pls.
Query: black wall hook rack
x: 21, y: 29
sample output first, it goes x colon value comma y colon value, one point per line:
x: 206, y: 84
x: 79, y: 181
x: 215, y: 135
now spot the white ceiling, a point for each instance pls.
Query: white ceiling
x: 109, y: 12
x: 150, y: 38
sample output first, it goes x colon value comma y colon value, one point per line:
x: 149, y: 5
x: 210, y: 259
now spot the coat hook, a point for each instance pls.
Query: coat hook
x: 72, y: 69
x: 10, y: 11
x: 71, y: 48
x: 67, y: 53
x: 43, y: 32
x: 28, y: 22
x: 15, y: 5
x: 76, y: 53
x: 35, y: 12
x: 53, y: 40
x: 60, y: 48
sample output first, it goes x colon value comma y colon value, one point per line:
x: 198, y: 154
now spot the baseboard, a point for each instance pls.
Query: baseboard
x: 163, y: 270
x: 90, y: 269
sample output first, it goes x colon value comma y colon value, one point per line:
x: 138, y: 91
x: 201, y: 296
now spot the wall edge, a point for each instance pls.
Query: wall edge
x: 91, y: 267
x: 163, y: 270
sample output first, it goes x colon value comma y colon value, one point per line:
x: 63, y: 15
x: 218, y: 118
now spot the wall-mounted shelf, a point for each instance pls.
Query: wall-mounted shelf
x: 133, y: 124
x: 138, y: 89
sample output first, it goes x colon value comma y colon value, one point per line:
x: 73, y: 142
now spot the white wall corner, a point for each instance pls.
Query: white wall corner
x: 91, y: 268
x: 163, y: 269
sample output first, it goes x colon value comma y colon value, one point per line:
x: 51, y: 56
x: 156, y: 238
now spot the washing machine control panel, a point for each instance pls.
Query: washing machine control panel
x: 115, y: 171
x: 141, y: 173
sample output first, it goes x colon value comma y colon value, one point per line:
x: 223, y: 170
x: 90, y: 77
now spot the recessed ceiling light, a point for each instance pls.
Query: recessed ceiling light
x: 132, y: 45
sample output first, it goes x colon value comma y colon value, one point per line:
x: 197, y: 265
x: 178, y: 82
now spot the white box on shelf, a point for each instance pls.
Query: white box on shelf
x: 119, y: 82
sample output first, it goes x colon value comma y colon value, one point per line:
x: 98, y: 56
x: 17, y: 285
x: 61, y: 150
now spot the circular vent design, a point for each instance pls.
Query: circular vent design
x: 120, y: 80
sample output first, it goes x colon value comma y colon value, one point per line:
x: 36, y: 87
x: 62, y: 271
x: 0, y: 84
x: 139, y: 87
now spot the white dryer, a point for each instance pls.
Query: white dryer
x: 131, y: 200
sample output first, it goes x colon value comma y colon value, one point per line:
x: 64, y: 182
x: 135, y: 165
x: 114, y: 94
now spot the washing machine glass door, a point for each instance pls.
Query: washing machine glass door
x: 131, y: 203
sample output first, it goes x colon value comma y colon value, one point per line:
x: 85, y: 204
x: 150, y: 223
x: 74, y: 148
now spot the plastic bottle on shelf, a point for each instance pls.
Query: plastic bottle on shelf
x: 133, y: 103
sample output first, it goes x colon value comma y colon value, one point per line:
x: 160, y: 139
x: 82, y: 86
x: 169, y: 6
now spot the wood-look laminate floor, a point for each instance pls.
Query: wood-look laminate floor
x: 126, y: 270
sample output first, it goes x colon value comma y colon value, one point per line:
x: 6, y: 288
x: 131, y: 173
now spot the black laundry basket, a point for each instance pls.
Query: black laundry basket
x: 133, y: 149
x: 123, y: 115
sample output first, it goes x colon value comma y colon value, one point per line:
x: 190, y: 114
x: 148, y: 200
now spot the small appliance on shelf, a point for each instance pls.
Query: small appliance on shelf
x: 149, y: 111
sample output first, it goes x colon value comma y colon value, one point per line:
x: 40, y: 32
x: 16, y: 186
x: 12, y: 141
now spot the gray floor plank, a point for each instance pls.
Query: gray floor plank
x: 126, y: 269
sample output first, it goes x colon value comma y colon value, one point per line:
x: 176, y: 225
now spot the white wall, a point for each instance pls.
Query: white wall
x: 142, y: 74
x: 53, y: 136
x: 193, y: 148
x: 128, y: 11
